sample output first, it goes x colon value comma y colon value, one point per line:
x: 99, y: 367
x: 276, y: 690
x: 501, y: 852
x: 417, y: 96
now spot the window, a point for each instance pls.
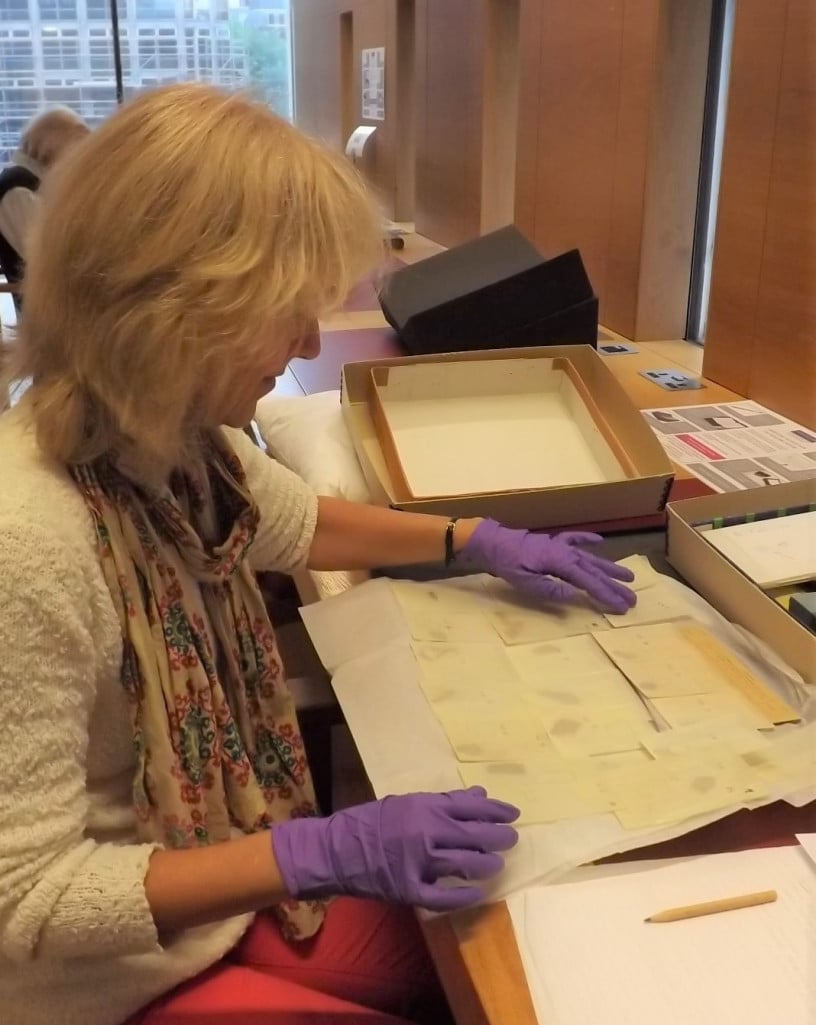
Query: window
x: 14, y: 10
x: 149, y: 9
x: 100, y: 53
x: 230, y: 60
x: 58, y: 10
x: 60, y: 49
x: 100, y: 10
x: 70, y: 58
x: 16, y: 57
x: 204, y: 52
x: 158, y: 50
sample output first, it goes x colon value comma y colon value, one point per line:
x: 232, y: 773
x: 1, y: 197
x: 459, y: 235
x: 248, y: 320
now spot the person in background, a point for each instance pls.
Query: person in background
x: 44, y: 141
x: 162, y: 859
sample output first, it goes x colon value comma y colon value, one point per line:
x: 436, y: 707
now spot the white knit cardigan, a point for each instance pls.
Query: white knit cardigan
x: 78, y: 945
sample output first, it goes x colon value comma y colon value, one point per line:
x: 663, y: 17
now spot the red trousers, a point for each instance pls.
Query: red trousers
x: 367, y: 966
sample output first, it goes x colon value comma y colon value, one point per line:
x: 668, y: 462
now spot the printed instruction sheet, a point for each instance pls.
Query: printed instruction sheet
x: 732, y: 446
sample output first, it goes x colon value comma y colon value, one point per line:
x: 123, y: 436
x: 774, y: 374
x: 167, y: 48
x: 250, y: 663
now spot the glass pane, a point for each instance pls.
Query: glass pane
x: 58, y: 52
x: 101, y: 9
x: 100, y: 54
x: 68, y: 57
x: 14, y: 10
x: 149, y: 9
x: 47, y: 67
x: 57, y: 10
x: 234, y: 43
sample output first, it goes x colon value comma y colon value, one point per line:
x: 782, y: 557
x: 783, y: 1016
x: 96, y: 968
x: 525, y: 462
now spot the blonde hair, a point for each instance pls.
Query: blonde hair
x: 188, y: 223
x: 50, y: 134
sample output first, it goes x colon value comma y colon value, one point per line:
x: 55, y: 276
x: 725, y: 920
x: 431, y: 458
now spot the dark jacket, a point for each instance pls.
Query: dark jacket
x: 14, y: 177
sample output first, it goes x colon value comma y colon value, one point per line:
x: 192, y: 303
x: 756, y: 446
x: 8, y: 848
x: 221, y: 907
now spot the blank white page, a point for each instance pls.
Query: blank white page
x: 592, y: 960
x: 772, y: 553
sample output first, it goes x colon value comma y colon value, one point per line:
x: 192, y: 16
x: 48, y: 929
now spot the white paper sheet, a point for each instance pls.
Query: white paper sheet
x: 590, y: 957
x: 772, y: 553
x: 807, y: 842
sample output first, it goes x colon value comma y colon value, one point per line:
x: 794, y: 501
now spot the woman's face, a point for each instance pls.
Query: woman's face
x: 297, y: 341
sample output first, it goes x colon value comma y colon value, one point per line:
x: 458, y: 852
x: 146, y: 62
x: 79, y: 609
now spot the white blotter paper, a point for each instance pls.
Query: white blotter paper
x: 590, y: 958
x: 363, y: 641
x: 808, y: 844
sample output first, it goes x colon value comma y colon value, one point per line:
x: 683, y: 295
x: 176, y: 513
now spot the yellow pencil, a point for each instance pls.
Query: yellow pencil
x: 714, y: 907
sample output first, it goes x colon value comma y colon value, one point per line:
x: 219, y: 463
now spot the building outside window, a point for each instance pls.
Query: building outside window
x: 14, y: 10
x: 58, y: 10
x: 61, y: 52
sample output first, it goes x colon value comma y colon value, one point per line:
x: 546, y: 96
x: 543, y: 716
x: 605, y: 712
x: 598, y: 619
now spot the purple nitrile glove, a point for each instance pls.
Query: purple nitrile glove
x: 552, y: 568
x: 397, y: 849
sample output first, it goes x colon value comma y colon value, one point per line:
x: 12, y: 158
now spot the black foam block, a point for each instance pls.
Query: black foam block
x: 492, y: 293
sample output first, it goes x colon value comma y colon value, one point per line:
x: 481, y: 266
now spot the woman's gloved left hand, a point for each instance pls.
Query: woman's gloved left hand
x: 552, y: 568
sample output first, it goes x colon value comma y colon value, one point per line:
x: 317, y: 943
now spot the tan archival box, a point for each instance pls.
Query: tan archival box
x: 407, y: 417
x: 724, y: 586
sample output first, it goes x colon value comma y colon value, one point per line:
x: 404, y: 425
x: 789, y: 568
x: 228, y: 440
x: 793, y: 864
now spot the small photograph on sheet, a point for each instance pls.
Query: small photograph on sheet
x: 740, y: 474
x: 755, y: 415
x: 790, y: 466
x: 759, y: 473
x: 716, y: 481
x: 713, y: 418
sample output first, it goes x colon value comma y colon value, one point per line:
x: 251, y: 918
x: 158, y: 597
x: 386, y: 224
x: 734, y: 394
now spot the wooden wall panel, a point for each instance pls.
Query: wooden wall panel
x: 329, y: 36
x: 579, y: 87
x: 783, y: 368
x: 678, y: 97
x: 317, y: 80
x: 761, y: 337
x: 609, y: 133
x: 756, y: 63
x: 527, y: 121
x: 468, y: 103
x: 450, y: 53
x: 618, y: 280
x: 400, y: 90
x: 370, y: 19
x: 500, y: 104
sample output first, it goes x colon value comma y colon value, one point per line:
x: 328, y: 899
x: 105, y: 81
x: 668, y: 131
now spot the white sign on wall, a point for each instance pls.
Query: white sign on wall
x: 373, y: 84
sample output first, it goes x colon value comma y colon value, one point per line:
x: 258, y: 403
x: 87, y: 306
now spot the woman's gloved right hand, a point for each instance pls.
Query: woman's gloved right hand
x: 398, y: 849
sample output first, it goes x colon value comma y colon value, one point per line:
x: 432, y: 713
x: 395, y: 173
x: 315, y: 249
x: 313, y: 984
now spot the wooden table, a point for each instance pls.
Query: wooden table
x: 480, y: 967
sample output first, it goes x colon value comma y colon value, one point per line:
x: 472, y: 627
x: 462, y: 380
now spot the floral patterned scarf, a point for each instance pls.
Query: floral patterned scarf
x: 214, y: 725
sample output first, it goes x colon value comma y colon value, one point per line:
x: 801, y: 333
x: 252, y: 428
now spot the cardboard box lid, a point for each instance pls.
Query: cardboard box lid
x: 742, y: 503
x: 639, y: 495
x: 722, y: 584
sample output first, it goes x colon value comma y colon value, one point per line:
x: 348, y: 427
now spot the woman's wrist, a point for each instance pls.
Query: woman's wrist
x: 193, y: 886
x: 463, y: 531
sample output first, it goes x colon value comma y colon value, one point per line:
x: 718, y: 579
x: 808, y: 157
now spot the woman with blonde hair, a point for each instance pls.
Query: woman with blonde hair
x: 161, y: 856
x: 44, y: 141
